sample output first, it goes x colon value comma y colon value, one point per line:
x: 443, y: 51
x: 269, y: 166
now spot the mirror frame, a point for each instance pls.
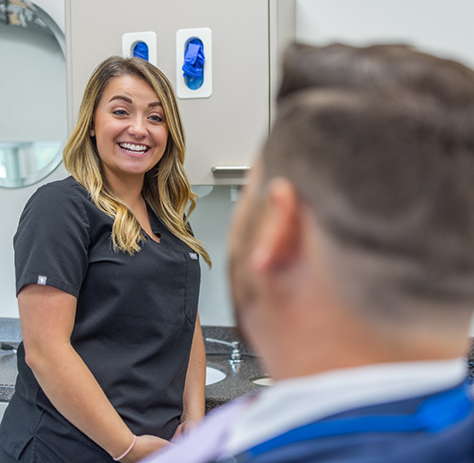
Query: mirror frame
x: 56, y: 161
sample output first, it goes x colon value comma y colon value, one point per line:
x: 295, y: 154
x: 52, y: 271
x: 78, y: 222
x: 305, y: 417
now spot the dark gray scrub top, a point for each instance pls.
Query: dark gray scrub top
x: 134, y: 323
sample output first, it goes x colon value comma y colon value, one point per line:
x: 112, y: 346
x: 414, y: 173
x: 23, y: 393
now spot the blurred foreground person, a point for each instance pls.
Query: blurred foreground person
x: 352, y: 267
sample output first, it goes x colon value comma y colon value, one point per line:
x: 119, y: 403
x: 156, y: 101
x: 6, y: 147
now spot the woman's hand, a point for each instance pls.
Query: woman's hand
x: 143, y: 447
x: 187, y: 424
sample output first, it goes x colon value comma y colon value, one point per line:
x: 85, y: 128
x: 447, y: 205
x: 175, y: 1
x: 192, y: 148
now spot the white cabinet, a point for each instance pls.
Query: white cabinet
x: 224, y: 129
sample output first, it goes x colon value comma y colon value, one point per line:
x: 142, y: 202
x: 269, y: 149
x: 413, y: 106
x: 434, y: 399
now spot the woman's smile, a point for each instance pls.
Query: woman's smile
x: 133, y: 149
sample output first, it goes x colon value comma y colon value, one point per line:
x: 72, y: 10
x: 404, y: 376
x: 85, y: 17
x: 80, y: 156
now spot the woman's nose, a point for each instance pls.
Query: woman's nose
x: 137, y: 127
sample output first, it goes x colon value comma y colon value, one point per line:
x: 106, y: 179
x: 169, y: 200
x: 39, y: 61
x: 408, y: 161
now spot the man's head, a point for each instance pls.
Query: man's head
x: 361, y: 204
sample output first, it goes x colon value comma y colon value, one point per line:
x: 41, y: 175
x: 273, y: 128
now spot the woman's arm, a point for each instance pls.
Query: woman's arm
x: 195, y: 386
x: 47, y: 318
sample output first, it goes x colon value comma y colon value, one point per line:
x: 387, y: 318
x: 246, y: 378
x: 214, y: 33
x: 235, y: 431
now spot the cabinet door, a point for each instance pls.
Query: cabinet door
x: 227, y: 128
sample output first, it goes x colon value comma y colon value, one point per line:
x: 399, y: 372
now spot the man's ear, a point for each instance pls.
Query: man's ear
x: 278, y: 238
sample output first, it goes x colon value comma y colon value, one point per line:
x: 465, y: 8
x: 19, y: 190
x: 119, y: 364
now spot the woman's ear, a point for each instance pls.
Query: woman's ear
x: 278, y: 238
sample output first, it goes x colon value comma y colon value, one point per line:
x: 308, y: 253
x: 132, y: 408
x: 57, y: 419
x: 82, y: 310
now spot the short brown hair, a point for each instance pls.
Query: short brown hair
x: 380, y: 142
x: 382, y: 67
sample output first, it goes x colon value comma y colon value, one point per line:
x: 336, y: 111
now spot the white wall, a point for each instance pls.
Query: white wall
x: 210, y: 222
x: 436, y: 26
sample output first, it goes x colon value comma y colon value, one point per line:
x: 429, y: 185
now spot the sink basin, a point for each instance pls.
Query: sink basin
x: 213, y: 375
x: 263, y: 381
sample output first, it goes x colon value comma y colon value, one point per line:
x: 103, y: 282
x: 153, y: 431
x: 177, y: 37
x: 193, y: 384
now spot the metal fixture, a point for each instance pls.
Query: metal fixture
x: 235, y: 356
x: 230, y: 170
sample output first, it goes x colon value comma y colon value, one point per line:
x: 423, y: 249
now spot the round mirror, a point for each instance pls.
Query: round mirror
x: 33, y: 114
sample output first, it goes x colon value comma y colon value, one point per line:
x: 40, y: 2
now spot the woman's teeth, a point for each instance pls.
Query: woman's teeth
x: 134, y: 148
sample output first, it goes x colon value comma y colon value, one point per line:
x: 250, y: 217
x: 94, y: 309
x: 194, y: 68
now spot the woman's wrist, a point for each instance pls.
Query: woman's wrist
x: 197, y: 415
x: 188, y: 422
x: 129, y: 449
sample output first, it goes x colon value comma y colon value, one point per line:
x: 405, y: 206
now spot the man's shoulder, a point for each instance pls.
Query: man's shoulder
x: 352, y: 441
x: 455, y: 446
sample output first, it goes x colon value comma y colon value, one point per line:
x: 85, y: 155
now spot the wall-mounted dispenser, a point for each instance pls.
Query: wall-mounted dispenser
x: 141, y: 44
x: 194, y: 63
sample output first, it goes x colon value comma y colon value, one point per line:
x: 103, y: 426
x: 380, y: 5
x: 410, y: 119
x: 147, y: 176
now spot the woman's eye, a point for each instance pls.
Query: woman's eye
x: 119, y: 112
x: 156, y: 118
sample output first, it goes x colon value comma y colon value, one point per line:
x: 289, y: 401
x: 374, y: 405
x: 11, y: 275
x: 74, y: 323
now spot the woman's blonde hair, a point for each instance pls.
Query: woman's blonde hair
x: 166, y: 187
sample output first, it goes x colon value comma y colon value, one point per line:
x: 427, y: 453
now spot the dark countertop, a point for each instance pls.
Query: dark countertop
x: 239, y: 377
x: 10, y: 332
x: 8, y: 372
x: 237, y: 382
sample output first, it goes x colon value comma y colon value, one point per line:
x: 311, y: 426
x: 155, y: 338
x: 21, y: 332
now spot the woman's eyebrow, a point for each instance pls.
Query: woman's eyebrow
x: 121, y: 97
x: 128, y: 100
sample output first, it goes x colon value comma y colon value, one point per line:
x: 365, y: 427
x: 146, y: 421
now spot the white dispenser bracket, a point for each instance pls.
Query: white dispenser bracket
x: 183, y: 36
x: 130, y: 39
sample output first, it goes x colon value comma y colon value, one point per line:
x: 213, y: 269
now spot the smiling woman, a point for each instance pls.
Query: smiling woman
x: 112, y: 345
x: 130, y: 131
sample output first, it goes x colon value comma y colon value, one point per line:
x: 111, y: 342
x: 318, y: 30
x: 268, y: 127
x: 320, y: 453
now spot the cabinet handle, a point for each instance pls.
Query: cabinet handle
x: 235, y: 170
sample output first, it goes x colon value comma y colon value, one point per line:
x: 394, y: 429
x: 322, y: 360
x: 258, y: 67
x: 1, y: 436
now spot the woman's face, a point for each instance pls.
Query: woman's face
x: 130, y: 129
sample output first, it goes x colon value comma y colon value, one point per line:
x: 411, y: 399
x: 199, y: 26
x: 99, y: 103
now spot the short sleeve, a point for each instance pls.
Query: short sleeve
x: 51, y: 243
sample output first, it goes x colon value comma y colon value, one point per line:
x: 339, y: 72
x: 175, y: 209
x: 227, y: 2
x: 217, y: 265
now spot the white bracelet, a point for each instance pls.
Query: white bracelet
x: 128, y: 450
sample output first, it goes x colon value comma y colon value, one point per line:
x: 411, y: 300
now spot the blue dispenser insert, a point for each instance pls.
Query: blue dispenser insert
x: 141, y: 51
x: 193, y: 67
